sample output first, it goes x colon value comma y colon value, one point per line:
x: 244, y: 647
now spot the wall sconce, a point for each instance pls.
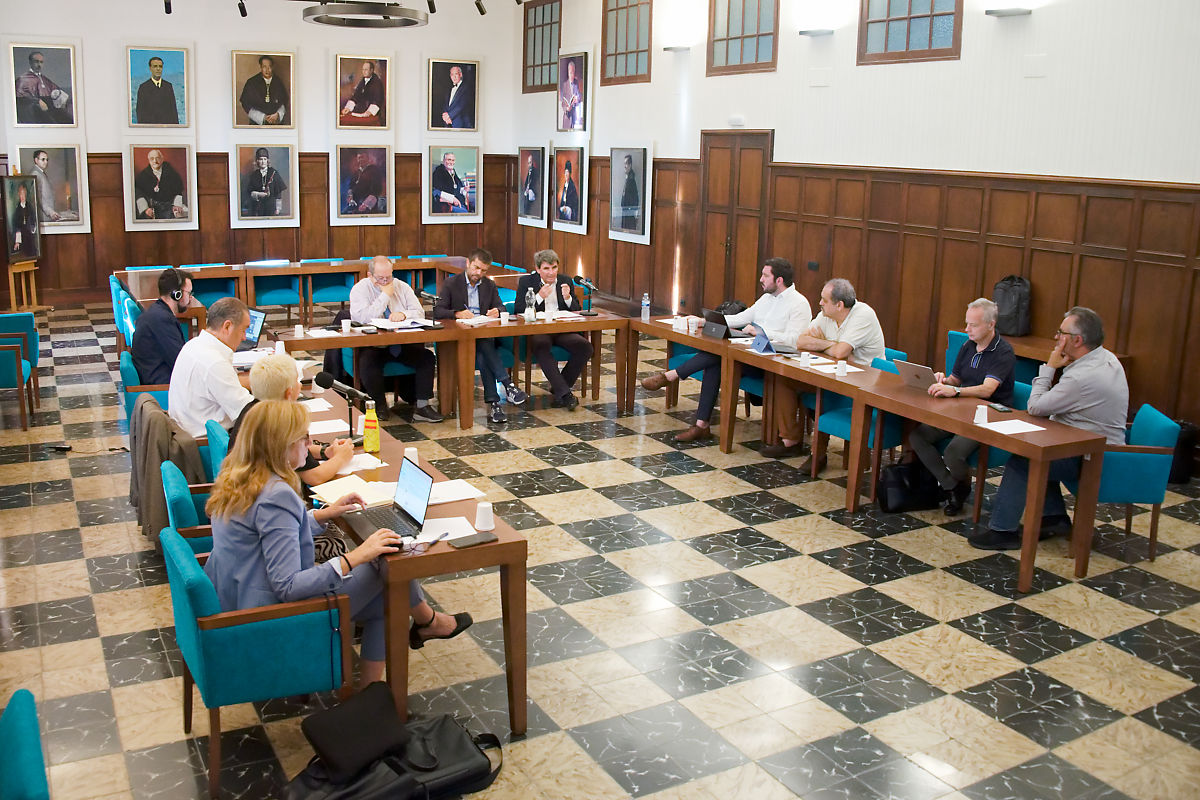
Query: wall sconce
x: 677, y: 48
x: 817, y: 32
x: 1008, y: 12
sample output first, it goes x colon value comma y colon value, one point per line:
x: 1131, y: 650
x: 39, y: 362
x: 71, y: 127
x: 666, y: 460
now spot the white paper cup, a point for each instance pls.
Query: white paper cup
x: 693, y: 325
x: 551, y: 315
x: 981, y: 416
x: 279, y: 347
x: 484, y: 519
x: 411, y: 454
x: 345, y: 326
x: 805, y: 359
x: 503, y: 317
x: 299, y: 331
x: 841, y: 369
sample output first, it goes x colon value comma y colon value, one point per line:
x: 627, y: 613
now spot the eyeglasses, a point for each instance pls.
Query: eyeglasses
x: 412, y: 547
x: 1061, y: 332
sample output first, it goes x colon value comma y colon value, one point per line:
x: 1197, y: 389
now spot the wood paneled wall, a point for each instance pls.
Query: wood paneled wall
x: 919, y: 246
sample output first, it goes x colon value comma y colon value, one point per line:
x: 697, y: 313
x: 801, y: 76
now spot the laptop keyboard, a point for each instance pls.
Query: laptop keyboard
x: 386, y: 517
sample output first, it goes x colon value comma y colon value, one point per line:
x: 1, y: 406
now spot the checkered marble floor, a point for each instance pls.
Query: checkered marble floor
x: 701, y: 624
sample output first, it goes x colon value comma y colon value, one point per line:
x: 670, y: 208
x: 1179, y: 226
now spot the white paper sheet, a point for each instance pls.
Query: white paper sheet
x: 328, y: 426
x: 447, y: 527
x: 829, y: 369
x: 1012, y: 426
x: 321, y: 333
x: 450, y: 491
x: 388, y: 325
x: 317, y: 404
x: 479, y: 320
x: 361, y: 461
x: 246, y: 358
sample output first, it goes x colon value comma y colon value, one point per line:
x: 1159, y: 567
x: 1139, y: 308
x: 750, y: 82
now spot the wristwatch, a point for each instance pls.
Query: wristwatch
x: 323, y: 448
x: 957, y: 392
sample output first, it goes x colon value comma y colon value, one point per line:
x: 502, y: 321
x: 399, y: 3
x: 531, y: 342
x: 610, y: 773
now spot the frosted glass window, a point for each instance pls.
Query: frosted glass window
x: 892, y: 31
x: 742, y: 35
x: 626, y: 35
x: 735, y: 18
x: 540, y: 71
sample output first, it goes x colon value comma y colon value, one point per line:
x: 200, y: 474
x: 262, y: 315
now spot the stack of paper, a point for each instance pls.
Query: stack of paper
x: 450, y: 491
x: 480, y: 320
x: 322, y: 333
x: 829, y: 369
x: 373, y: 493
x: 328, y: 426
x: 316, y: 404
x: 361, y: 461
x: 1011, y: 426
x: 388, y: 325
x: 246, y: 358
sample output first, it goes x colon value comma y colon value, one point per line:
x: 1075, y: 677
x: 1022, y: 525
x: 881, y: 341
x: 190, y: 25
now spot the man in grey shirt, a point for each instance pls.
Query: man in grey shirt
x: 381, y: 296
x: 1092, y: 394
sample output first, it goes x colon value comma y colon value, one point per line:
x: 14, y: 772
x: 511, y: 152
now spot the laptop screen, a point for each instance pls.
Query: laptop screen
x: 412, y: 490
x: 256, y: 325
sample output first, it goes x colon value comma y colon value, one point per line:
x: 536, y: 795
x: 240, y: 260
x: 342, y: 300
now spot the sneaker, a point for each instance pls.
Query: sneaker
x: 652, y: 383
x: 695, y: 434
x: 781, y: 450
x: 570, y: 402
x: 427, y: 413
x: 995, y: 540
x: 515, y: 395
x: 496, y: 414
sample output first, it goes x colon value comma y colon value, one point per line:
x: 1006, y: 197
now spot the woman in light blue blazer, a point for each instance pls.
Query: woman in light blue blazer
x: 263, y: 538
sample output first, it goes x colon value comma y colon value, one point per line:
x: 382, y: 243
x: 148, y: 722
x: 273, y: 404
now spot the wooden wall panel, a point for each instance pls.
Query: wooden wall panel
x: 881, y: 273
x: 885, y: 201
x: 1107, y: 220
x: 818, y: 193
x: 1000, y: 261
x: 851, y: 198
x: 1007, y: 212
x: 956, y: 288
x: 1165, y: 227
x: 1050, y: 273
x: 923, y: 206
x: 964, y: 208
x: 1159, y: 314
x: 1101, y: 288
x: 917, y: 257
x: 1056, y: 217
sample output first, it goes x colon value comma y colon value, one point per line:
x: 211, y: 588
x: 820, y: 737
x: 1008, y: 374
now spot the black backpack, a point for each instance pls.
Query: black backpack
x: 907, y: 487
x: 1011, y: 296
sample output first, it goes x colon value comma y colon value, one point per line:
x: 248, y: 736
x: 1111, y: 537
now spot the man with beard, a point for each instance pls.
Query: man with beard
x: 158, y: 190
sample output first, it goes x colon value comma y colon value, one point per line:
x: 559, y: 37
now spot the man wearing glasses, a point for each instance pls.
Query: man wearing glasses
x: 1092, y: 394
x: 983, y: 370
x: 382, y: 296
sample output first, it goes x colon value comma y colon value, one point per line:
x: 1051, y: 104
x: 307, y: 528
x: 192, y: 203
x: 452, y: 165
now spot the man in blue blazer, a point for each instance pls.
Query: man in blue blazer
x: 554, y: 292
x: 471, y: 294
x: 459, y: 110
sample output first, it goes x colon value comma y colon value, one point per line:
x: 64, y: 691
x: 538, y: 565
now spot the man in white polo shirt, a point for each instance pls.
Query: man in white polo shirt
x: 846, y: 329
x: 204, y: 384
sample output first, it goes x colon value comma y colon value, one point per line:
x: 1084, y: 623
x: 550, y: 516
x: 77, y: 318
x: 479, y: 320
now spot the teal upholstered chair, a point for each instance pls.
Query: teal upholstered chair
x: 253, y: 654
x: 218, y: 446
x: 210, y: 290
x: 130, y: 311
x: 428, y: 277
x: 1137, y: 471
x: 19, y: 347
x: 885, y: 432
x: 22, y: 770
x: 986, y: 458
x: 275, y: 290
x: 832, y: 400
x: 954, y: 342
x: 332, y: 287
x: 679, y: 353
x: 185, y: 507
x: 133, y: 386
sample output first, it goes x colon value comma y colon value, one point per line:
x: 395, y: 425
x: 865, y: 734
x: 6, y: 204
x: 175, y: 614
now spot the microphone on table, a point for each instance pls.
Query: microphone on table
x: 585, y: 283
x: 326, y: 381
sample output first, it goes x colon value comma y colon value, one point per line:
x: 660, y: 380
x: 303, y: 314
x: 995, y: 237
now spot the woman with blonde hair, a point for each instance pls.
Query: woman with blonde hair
x: 263, y: 538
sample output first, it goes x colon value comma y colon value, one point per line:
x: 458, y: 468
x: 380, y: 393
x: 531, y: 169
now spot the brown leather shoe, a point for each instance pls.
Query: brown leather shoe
x: 695, y: 434
x: 781, y: 450
x: 652, y: 383
x: 807, y: 465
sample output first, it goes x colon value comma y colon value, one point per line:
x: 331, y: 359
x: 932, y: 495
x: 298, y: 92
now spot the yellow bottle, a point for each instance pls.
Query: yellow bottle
x: 371, y: 429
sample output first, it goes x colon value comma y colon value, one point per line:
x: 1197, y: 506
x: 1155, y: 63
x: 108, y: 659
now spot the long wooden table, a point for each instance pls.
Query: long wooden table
x: 887, y: 392
x: 509, y: 553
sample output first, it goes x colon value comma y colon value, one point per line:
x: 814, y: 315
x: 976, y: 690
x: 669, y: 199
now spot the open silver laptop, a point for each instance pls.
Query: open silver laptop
x: 406, y: 514
x: 917, y: 376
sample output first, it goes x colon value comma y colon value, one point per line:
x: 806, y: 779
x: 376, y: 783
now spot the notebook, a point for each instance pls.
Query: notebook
x: 257, y: 318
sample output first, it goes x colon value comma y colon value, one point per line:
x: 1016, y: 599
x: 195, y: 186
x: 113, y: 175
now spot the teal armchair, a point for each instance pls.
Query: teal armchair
x: 253, y: 654
x: 23, y: 769
x: 133, y: 386
x: 185, y: 507
x: 218, y: 446
x: 19, y: 346
x: 886, y: 431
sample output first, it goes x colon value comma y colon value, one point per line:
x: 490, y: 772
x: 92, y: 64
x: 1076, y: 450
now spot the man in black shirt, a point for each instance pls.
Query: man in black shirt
x: 157, y: 339
x: 983, y: 370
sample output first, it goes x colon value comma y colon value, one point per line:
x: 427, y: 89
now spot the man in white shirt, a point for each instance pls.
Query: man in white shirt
x: 382, y: 296
x: 781, y: 313
x: 845, y: 329
x: 204, y: 384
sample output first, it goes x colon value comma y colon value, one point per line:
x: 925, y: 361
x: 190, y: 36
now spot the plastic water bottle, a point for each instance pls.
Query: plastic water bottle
x: 645, y: 306
x: 530, y: 311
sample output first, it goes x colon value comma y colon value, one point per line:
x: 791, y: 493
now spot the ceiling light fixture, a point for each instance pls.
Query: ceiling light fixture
x: 1008, y: 12
x: 366, y: 15
x: 817, y: 32
x: 167, y: 6
x: 479, y: 7
x: 242, y: 7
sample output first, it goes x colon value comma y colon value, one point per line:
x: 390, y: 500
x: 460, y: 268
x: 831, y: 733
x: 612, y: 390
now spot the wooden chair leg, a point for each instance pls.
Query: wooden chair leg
x: 1154, y: 530
x: 214, y: 752
x: 528, y: 372
x: 188, y: 683
x: 980, y: 480
x: 1128, y: 518
x: 746, y: 399
x: 672, y: 397
x: 37, y: 389
x: 820, y: 443
x: 876, y: 455
x: 21, y: 402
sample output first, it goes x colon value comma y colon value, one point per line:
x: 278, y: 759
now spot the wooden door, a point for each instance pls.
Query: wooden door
x: 732, y: 214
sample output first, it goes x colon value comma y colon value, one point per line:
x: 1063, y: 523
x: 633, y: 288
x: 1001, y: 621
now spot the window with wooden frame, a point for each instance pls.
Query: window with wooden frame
x: 543, y: 26
x: 891, y: 31
x: 626, y: 56
x: 743, y: 36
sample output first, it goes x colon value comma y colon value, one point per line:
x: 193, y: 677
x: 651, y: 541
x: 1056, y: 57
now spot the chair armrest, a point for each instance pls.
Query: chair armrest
x: 148, y: 387
x: 202, y: 558
x: 1141, y: 449
x: 195, y: 531
x: 227, y: 619
x: 200, y: 488
x: 24, y: 348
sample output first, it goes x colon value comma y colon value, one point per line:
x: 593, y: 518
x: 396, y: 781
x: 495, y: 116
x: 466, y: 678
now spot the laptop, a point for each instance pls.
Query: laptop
x: 257, y: 318
x: 406, y: 514
x: 713, y: 318
x: 763, y: 346
x: 917, y: 376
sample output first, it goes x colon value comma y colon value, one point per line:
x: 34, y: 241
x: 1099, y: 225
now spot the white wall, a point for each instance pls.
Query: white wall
x: 212, y: 28
x: 1116, y: 99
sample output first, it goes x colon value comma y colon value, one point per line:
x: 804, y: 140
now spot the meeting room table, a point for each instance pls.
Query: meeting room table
x: 509, y: 552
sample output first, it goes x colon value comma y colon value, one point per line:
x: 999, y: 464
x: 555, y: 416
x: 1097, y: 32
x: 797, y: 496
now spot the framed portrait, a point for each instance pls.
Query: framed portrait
x: 160, y: 186
x: 158, y: 87
x: 569, y: 207
x: 263, y: 89
x: 531, y: 190
x: 20, y: 215
x: 62, y: 193
x: 573, y: 93
x: 453, y: 88
x: 362, y: 91
x: 630, y: 175
x: 452, y: 181
x: 363, y: 178
x: 261, y: 181
x: 44, y: 85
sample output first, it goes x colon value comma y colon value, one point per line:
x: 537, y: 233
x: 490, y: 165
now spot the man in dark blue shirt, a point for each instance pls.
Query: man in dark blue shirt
x: 983, y: 370
x: 157, y: 339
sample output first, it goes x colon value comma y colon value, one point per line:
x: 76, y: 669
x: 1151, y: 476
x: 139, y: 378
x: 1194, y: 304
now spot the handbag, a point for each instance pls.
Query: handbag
x: 356, y: 732
x: 907, y: 487
x: 446, y: 761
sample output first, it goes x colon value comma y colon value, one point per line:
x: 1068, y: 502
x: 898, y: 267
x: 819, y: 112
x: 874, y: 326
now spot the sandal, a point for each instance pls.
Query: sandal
x: 462, y: 621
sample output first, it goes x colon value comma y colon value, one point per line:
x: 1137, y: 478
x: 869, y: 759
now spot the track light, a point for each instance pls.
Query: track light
x: 167, y: 6
x: 479, y: 7
x: 518, y: 2
x: 432, y: 6
x: 242, y: 7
